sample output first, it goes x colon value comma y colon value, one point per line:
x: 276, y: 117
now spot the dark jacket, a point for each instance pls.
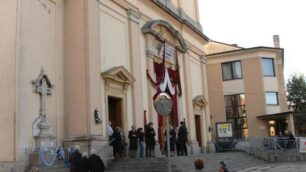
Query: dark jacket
x: 74, y: 160
x: 117, y: 139
x: 84, y: 165
x: 150, y: 137
x: 133, y: 136
x: 96, y: 164
x: 141, y: 136
x: 182, y: 134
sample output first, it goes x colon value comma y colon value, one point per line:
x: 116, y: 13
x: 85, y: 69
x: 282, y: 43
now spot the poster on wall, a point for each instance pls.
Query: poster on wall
x: 224, y: 129
x: 302, y: 144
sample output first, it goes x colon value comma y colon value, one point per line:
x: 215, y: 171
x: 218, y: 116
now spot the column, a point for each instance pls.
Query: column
x: 82, y: 68
x: 134, y: 40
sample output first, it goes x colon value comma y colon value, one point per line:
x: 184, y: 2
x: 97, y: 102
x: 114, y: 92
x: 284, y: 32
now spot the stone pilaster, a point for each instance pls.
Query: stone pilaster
x: 135, y: 63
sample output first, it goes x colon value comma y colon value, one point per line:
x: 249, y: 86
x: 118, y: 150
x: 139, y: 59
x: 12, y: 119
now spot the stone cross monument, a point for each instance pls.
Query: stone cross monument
x: 42, y: 86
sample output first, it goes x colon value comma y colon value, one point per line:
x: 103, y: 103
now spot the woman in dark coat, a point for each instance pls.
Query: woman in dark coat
x: 133, y: 136
x: 84, y: 163
x: 117, y: 143
x: 75, y: 159
x: 150, y: 140
x: 96, y: 163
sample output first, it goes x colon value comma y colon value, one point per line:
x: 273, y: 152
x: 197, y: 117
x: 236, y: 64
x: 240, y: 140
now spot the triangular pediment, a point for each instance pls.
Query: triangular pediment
x: 119, y: 74
x: 200, y: 100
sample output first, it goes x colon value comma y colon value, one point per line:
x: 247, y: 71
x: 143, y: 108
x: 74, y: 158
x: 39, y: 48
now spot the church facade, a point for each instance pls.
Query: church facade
x: 71, y: 66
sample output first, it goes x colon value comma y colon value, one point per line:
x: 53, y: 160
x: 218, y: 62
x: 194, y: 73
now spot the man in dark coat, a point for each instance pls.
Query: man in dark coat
x: 150, y: 140
x: 84, y: 163
x: 133, y: 136
x: 182, y: 138
x: 117, y: 143
x: 96, y: 163
x: 75, y: 159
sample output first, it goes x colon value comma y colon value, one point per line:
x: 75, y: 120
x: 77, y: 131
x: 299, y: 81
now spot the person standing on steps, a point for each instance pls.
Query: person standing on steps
x: 110, y: 130
x: 117, y: 143
x: 133, y: 137
x: 141, y: 142
x: 75, y: 159
x: 84, y: 163
x: 150, y: 140
x: 96, y: 163
x: 183, y: 138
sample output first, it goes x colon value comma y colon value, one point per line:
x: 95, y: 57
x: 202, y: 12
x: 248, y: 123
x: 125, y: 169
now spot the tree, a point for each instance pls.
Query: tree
x: 296, y: 89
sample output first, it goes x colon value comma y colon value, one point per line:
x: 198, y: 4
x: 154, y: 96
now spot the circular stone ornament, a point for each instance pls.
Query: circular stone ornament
x: 163, y: 104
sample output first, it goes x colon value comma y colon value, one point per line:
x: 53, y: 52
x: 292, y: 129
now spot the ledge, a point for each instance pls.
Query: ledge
x: 181, y: 16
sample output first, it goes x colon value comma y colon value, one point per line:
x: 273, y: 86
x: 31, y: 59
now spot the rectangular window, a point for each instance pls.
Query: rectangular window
x: 231, y: 70
x: 268, y: 66
x: 271, y: 98
x: 236, y: 113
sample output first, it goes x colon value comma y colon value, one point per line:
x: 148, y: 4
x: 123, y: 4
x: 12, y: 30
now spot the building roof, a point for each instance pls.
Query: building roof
x: 246, y: 49
x: 280, y: 115
x: 213, y: 47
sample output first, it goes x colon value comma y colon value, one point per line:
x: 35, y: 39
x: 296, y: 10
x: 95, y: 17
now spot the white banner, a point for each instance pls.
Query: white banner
x: 169, y: 53
x: 302, y: 144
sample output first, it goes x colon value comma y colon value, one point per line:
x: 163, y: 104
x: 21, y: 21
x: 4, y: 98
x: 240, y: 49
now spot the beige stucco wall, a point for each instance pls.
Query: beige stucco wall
x: 281, y: 84
x: 40, y: 46
x: 189, y: 6
x: 233, y: 87
x: 215, y: 94
x: 196, y: 76
x: 8, y: 34
x: 270, y: 84
x: 254, y: 97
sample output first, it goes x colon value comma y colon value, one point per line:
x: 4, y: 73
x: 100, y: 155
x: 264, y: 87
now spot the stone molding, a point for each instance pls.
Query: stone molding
x: 200, y: 101
x: 119, y: 74
x: 149, y: 28
x: 133, y: 15
x: 181, y: 16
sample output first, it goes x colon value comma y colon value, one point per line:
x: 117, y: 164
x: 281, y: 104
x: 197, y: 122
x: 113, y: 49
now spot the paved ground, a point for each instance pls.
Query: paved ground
x: 236, y: 161
x: 278, y: 167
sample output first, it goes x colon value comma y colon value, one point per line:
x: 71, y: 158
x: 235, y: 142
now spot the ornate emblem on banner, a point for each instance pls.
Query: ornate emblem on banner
x: 48, y: 156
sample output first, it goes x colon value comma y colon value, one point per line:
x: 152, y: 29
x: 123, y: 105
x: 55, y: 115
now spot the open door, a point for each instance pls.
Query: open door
x: 198, y: 129
x: 115, y: 111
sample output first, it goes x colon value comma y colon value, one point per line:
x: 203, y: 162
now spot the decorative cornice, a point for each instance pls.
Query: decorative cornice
x: 133, y: 15
x: 203, y: 59
x: 181, y: 16
x: 200, y: 101
x: 119, y: 74
x: 148, y: 28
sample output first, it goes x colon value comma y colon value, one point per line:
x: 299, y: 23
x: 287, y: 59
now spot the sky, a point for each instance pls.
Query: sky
x: 251, y: 23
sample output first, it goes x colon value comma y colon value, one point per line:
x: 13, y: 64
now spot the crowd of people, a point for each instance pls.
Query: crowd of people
x: 144, y: 141
x: 85, y: 163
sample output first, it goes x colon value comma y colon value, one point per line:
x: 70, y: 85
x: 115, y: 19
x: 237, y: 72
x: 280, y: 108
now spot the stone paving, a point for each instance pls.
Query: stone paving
x: 278, y: 167
x: 236, y: 162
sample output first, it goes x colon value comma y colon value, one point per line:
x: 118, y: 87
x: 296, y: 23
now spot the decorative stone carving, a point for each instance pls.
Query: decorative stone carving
x: 149, y: 28
x: 133, y: 15
x: 200, y: 101
x: 118, y: 75
x: 43, y: 86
